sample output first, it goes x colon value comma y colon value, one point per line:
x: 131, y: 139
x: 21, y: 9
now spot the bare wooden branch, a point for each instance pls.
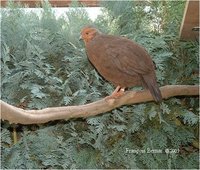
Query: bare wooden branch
x: 18, y: 115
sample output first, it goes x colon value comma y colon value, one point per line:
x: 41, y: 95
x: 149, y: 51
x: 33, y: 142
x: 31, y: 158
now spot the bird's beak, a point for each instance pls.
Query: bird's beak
x: 80, y: 38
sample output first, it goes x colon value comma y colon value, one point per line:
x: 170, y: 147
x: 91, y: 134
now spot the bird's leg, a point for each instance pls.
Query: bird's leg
x: 116, y: 90
x: 119, y: 91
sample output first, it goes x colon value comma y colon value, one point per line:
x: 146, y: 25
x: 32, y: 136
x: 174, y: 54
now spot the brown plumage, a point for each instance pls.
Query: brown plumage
x: 120, y: 61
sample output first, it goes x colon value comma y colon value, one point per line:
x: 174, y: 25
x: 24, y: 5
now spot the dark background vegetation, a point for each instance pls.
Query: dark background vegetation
x: 43, y: 64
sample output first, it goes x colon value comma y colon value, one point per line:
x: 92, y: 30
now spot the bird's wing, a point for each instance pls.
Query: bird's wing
x: 128, y: 57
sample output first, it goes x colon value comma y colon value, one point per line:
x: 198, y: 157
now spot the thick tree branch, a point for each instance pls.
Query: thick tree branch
x: 17, y: 115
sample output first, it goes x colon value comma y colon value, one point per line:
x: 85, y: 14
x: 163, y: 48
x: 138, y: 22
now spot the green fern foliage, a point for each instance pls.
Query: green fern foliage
x: 43, y: 64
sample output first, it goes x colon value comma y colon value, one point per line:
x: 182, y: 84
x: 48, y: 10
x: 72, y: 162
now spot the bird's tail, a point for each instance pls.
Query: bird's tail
x: 149, y: 82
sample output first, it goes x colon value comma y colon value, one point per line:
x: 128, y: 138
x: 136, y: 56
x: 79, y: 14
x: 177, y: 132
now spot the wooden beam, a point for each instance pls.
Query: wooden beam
x: 54, y: 3
x: 190, y: 21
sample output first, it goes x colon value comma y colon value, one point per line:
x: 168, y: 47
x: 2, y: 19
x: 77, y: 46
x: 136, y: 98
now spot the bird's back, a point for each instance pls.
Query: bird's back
x: 120, y: 56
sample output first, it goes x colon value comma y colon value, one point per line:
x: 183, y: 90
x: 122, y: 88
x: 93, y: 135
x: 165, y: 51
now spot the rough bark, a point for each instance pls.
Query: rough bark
x: 18, y: 115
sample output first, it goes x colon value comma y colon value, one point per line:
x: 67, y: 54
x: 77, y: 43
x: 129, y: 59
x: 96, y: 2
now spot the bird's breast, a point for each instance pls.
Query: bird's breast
x: 111, y: 73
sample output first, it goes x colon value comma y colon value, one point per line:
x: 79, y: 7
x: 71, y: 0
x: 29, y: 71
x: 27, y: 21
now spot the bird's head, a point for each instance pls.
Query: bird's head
x: 88, y: 33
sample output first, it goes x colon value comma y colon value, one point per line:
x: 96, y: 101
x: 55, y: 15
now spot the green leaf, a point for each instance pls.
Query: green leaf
x: 36, y: 91
x: 120, y: 128
x: 190, y: 118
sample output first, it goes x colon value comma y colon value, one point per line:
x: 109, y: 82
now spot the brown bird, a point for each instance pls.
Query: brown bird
x: 120, y: 61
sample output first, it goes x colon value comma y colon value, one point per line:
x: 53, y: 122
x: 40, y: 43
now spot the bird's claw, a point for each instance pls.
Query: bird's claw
x: 118, y: 92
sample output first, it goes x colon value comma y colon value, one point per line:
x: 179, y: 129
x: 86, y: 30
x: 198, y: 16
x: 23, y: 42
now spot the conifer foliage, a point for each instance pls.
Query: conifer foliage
x: 44, y: 64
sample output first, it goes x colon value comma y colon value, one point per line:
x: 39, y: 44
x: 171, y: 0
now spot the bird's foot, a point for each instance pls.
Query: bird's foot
x: 118, y: 92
